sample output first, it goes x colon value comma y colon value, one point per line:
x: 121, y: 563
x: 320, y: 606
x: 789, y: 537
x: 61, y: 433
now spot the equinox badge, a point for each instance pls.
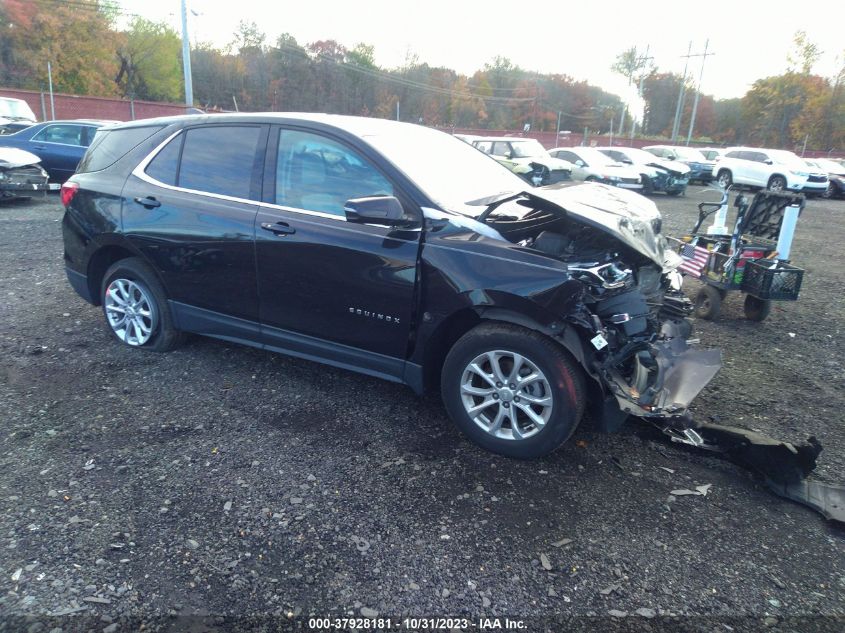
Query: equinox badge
x: 374, y: 315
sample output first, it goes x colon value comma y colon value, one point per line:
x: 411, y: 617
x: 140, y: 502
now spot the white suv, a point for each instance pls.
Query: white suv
x: 774, y: 169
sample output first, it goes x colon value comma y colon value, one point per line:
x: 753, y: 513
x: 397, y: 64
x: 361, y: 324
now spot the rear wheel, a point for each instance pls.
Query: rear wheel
x: 135, y: 307
x: 708, y: 303
x: 756, y: 309
x: 724, y: 178
x: 777, y: 183
x: 512, y: 390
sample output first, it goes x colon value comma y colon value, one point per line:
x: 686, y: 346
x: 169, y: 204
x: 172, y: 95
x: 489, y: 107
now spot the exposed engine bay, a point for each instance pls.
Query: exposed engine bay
x: 632, y: 312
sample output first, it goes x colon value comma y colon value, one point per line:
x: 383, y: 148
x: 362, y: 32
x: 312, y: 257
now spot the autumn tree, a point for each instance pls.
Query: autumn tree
x: 77, y: 39
x: 149, y: 55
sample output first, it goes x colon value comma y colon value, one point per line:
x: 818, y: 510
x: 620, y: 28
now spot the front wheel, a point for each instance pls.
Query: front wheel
x: 724, y: 179
x: 777, y: 183
x: 829, y: 191
x: 512, y: 390
x: 135, y: 306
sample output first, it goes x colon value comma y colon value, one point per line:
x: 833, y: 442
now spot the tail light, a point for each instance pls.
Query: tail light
x: 68, y: 191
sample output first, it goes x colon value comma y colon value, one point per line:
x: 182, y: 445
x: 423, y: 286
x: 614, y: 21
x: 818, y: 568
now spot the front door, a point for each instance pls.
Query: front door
x: 339, y: 291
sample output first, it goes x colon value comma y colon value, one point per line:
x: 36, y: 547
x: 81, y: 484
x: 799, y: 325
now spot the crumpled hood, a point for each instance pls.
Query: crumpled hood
x: 681, y: 169
x: 11, y: 157
x: 626, y: 215
x: 553, y: 164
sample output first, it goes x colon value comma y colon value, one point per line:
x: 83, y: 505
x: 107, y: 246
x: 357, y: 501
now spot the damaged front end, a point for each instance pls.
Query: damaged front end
x: 633, y: 320
x: 632, y: 315
x: 20, y: 174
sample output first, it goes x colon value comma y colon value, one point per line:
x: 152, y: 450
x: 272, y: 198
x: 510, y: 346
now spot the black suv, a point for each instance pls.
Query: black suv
x: 394, y: 250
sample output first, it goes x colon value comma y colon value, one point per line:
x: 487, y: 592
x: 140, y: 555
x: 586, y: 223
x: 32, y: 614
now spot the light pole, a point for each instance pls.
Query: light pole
x: 186, y: 57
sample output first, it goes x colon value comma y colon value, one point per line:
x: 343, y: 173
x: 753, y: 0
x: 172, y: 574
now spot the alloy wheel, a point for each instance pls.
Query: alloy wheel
x: 506, y: 395
x: 129, y: 311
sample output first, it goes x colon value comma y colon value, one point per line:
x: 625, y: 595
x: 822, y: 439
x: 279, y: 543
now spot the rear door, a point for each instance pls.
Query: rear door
x: 331, y: 289
x: 190, y: 209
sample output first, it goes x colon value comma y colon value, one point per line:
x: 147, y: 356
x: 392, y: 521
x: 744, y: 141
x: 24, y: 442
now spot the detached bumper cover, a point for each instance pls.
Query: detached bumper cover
x: 681, y: 373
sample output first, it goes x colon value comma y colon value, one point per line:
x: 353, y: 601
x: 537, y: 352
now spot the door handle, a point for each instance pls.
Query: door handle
x: 279, y: 228
x: 149, y: 202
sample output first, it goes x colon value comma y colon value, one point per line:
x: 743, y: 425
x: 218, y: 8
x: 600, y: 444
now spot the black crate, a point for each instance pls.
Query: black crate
x: 780, y: 283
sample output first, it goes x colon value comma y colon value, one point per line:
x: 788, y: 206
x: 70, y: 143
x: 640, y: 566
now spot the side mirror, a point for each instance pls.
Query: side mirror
x: 580, y: 163
x: 627, y: 161
x: 384, y: 210
x: 769, y: 161
x: 672, y: 156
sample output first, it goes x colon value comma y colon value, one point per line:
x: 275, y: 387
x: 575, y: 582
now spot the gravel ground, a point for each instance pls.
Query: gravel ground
x: 138, y: 489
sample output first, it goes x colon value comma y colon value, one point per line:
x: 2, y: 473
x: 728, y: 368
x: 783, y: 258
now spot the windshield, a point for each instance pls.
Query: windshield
x: 639, y: 155
x: 15, y: 108
x: 782, y: 157
x: 592, y: 156
x: 449, y: 171
x: 688, y: 153
x: 527, y: 149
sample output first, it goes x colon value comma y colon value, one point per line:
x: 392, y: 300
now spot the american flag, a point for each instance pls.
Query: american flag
x: 695, y: 259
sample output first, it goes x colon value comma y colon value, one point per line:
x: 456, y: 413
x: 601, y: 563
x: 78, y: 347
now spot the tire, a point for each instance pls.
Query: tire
x: 131, y: 284
x: 708, y: 303
x: 756, y: 309
x: 591, y: 179
x: 675, y: 193
x: 557, y: 395
x: 776, y: 183
x: 724, y: 178
x: 829, y: 192
x: 648, y: 185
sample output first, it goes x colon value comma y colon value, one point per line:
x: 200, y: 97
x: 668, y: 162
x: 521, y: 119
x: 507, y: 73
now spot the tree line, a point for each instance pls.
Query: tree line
x: 91, y: 55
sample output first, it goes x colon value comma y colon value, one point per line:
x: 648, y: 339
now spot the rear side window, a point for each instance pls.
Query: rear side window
x: 109, y: 146
x: 220, y: 159
x: 165, y: 166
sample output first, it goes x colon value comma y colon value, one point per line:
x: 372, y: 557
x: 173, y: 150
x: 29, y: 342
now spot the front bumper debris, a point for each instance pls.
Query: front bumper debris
x: 783, y: 466
x: 17, y: 181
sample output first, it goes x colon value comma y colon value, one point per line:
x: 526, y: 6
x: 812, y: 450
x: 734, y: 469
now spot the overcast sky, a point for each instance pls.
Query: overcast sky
x: 750, y: 38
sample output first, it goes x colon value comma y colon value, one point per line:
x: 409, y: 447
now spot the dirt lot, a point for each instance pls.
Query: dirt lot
x: 224, y: 481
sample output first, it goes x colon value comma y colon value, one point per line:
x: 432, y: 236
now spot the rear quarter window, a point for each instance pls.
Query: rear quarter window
x: 109, y: 146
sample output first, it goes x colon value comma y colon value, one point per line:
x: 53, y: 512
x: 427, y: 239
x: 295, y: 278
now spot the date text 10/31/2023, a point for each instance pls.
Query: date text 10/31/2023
x: 415, y: 624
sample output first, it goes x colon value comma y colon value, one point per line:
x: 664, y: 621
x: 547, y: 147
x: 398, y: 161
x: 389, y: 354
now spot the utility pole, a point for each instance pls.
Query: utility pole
x: 52, y: 102
x: 186, y: 57
x: 698, y: 91
x: 680, y: 105
x: 644, y: 59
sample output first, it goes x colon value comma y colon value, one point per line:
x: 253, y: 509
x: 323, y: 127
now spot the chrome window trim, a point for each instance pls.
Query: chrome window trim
x: 140, y: 172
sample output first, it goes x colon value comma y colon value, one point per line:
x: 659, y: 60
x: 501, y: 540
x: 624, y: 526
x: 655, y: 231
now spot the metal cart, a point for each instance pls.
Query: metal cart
x: 752, y: 258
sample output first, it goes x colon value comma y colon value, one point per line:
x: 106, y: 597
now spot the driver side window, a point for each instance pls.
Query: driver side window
x: 316, y: 173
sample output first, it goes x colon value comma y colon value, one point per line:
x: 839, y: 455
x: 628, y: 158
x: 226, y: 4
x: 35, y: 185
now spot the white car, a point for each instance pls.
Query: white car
x: 658, y: 174
x: 525, y: 157
x: 592, y: 165
x: 774, y: 169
